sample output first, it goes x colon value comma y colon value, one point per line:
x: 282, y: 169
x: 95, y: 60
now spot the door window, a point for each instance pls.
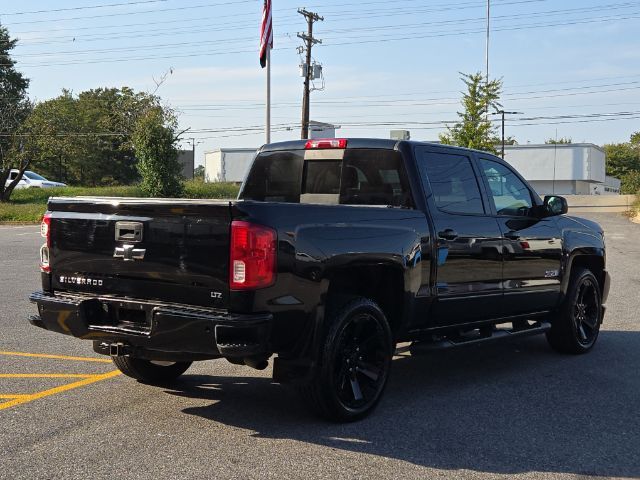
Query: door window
x: 510, y: 194
x: 453, y: 183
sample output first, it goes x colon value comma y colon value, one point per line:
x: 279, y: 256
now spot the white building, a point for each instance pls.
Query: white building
x: 322, y: 130
x: 227, y: 164
x: 564, y: 169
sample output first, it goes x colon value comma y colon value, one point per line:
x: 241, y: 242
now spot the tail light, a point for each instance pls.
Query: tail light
x: 45, y: 231
x: 252, y: 262
x: 325, y: 143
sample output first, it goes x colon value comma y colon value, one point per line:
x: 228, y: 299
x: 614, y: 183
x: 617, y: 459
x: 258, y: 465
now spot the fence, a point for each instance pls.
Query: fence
x: 600, y: 203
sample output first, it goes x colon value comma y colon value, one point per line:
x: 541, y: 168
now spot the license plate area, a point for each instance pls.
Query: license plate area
x: 118, y: 314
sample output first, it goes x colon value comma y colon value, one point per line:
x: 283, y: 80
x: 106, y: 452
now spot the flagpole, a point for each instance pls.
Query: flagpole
x: 268, y: 119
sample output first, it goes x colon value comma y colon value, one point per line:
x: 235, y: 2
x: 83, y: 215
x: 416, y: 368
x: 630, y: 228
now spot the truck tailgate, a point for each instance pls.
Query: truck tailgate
x: 173, y: 250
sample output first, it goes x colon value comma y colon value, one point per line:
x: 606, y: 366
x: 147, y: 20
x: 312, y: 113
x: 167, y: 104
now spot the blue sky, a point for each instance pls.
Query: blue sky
x: 387, y: 65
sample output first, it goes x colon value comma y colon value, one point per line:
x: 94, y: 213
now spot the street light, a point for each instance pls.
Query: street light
x: 503, y: 113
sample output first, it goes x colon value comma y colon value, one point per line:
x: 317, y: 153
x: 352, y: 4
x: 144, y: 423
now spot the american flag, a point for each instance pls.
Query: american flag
x: 266, y: 33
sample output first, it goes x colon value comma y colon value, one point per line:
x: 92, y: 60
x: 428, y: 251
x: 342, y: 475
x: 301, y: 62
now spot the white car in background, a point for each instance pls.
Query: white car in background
x: 32, y: 180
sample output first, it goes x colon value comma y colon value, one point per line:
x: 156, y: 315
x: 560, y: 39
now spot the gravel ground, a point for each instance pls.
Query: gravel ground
x: 512, y: 409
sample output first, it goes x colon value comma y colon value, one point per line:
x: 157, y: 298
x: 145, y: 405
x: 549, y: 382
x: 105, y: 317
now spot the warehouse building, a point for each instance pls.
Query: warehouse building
x: 563, y: 169
x: 227, y: 164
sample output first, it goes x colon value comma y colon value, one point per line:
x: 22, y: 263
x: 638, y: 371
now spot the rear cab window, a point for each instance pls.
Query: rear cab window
x: 331, y: 176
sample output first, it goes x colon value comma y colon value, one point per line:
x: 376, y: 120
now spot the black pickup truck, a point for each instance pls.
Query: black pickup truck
x: 335, y: 252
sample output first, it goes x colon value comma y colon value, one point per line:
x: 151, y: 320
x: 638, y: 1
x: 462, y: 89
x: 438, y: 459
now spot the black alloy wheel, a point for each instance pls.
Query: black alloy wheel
x: 354, y: 363
x: 586, y: 312
x: 576, y: 326
x: 361, y: 363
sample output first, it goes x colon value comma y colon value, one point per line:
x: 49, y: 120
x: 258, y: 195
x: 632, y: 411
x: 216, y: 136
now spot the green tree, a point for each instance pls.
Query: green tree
x: 630, y: 183
x: 14, y: 108
x: 474, y: 129
x: 198, y: 172
x: 154, y: 140
x: 623, y: 161
x: 559, y: 141
x: 86, y: 138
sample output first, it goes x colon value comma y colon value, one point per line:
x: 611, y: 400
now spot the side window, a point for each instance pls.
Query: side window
x: 453, y: 183
x: 510, y: 195
x: 13, y: 175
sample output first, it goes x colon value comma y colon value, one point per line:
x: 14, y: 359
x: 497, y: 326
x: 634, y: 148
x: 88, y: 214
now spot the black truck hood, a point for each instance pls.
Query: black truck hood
x: 589, y: 224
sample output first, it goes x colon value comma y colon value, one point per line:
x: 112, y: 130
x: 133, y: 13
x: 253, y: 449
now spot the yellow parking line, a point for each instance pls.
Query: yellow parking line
x: 56, y: 390
x: 56, y: 357
x: 12, y: 396
x: 45, y: 375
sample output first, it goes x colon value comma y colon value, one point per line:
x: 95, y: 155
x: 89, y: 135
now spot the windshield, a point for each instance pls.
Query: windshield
x: 33, y: 176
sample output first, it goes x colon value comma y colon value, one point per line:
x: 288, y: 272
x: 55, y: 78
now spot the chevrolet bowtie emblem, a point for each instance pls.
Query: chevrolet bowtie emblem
x: 129, y: 253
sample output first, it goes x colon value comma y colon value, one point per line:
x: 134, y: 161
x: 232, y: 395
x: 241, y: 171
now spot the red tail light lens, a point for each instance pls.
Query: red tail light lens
x: 325, y: 143
x: 252, y: 263
x: 45, y: 231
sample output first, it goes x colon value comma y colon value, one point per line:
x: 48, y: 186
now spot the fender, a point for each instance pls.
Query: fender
x: 578, y: 243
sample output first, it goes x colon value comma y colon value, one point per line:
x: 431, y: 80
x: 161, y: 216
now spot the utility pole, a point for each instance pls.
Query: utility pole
x: 193, y: 150
x: 503, y: 113
x: 309, y: 41
x: 486, y: 52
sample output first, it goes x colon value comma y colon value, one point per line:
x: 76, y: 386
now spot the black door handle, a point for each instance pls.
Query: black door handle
x: 448, y: 234
x: 512, y: 235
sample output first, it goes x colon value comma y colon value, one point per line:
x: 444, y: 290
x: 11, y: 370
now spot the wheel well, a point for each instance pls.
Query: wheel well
x: 381, y: 284
x: 594, y: 263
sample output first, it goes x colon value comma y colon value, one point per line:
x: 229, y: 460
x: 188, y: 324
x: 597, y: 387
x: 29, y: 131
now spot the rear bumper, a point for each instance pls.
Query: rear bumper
x: 154, y: 330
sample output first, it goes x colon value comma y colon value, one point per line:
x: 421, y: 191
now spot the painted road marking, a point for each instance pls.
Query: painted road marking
x: 56, y: 357
x: 13, y: 395
x: 45, y: 375
x: 64, y: 388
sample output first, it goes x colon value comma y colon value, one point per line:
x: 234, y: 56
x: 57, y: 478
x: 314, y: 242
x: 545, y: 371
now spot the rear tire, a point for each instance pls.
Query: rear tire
x: 576, y: 326
x: 354, y: 363
x: 150, y: 372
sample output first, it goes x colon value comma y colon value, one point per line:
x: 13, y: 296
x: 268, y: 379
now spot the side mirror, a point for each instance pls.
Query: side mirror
x: 555, y: 205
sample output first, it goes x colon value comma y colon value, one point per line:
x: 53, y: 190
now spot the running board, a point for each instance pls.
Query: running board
x: 495, y: 335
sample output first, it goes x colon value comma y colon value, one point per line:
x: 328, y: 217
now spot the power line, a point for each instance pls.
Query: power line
x: 379, y: 39
x: 292, y: 17
x: 234, y: 26
x: 158, y: 10
x: 87, y: 7
x: 420, y: 125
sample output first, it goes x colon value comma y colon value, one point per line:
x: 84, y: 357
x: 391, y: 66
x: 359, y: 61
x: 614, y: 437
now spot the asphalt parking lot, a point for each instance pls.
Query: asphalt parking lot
x: 514, y: 409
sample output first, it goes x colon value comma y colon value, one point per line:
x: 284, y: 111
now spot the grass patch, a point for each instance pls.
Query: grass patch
x: 21, y: 213
x: 28, y: 205
x: 199, y: 189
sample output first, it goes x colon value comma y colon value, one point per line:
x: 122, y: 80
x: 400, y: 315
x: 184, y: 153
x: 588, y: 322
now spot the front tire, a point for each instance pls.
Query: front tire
x: 354, y: 363
x: 576, y: 326
x: 148, y: 371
